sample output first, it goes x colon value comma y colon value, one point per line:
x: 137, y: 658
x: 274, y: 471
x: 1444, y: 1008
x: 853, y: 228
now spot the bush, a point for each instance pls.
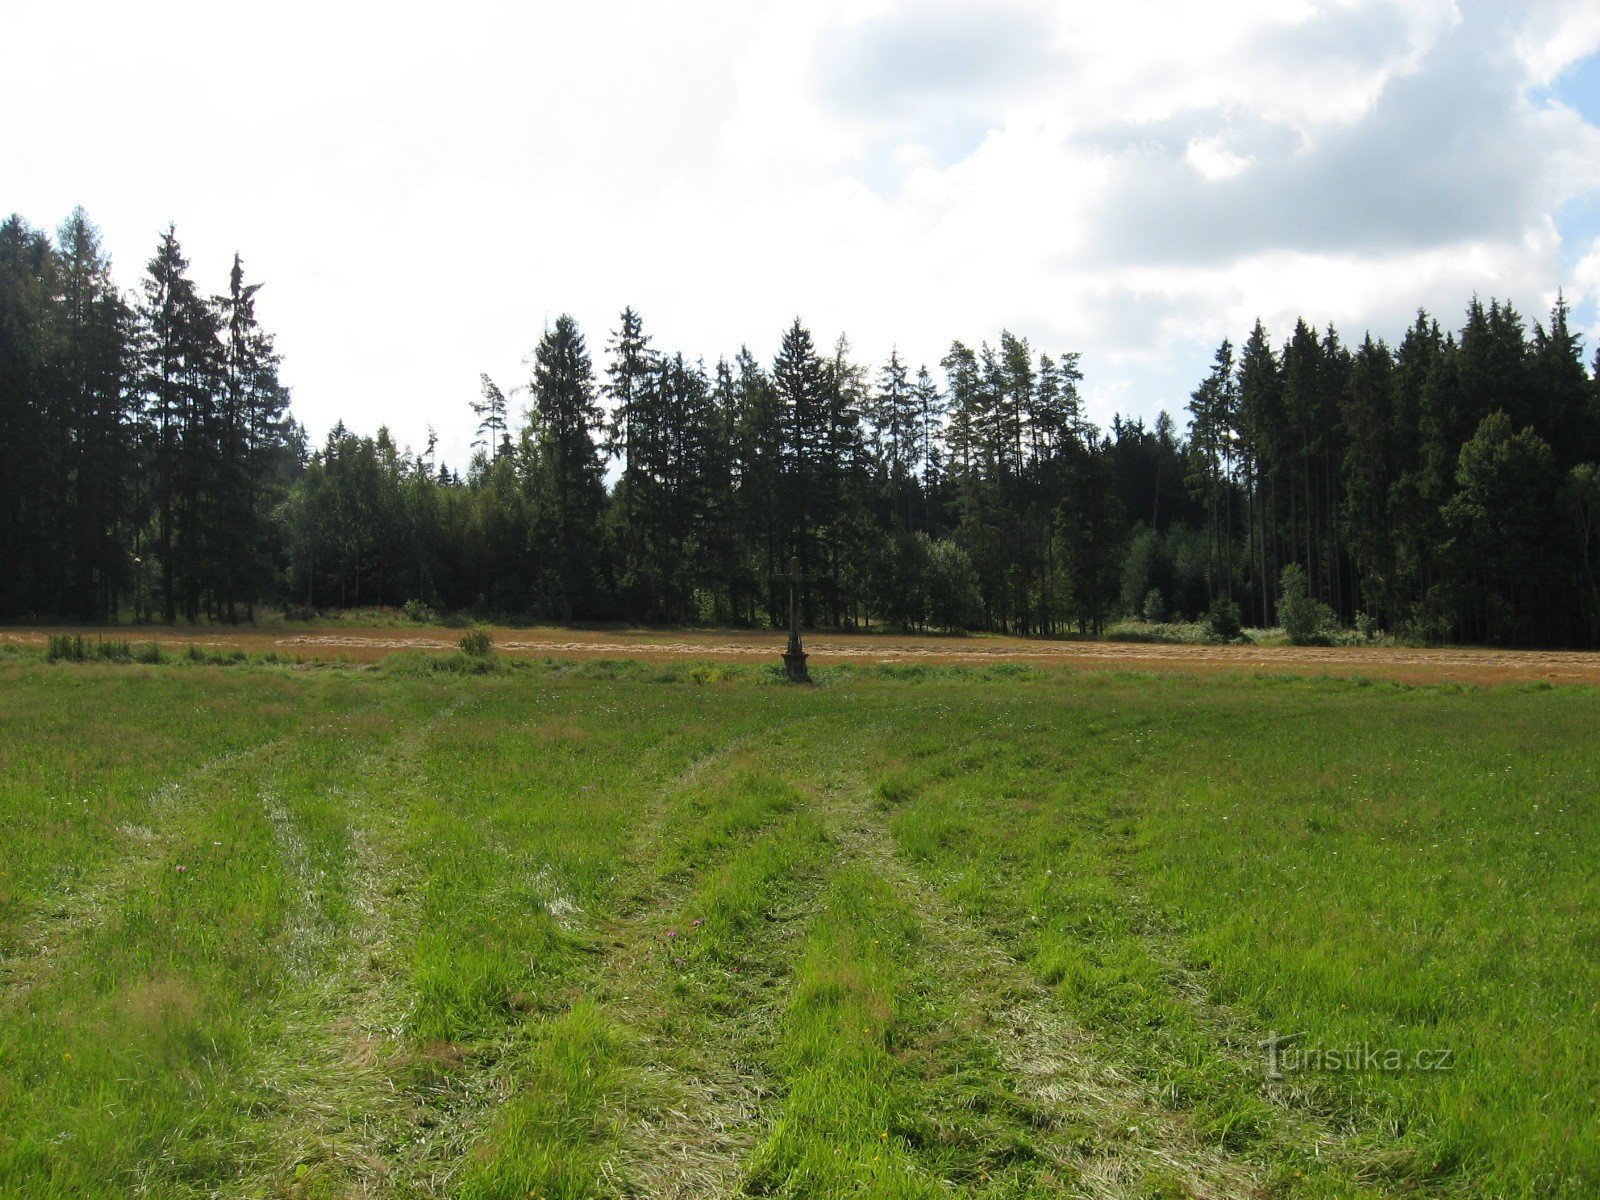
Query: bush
x: 475, y: 643
x: 1154, y: 608
x: 74, y: 647
x: 1223, y: 621
x: 951, y: 583
x: 1306, y: 622
x: 417, y: 610
x: 114, y: 650
x: 63, y: 647
x: 1174, y: 633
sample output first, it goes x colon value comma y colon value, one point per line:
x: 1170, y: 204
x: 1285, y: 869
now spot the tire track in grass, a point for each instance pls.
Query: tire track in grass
x: 163, y: 993
x: 423, y: 1112
x: 328, y: 1112
x: 650, y: 1085
x: 675, y: 1013
x: 888, y: 1089
x: 708, y: 1000
x: 812, y: 1088
x: 850, y: 1116
x: 46, y: 940
x: 1107, y: 1132
x: 703, y: 1004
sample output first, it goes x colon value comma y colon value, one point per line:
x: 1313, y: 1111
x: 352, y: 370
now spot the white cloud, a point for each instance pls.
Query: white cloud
x: 1133, y: 181
x: 1214, y: 160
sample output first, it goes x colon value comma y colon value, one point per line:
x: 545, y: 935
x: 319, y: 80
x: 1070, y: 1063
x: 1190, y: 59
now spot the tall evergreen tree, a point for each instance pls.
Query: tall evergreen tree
x: 94, y: 455
x: 179, y: 380
x: 1370, y: 473
x: 30, y: 425
x: 567, y: 475
x: 492, y: 410
x: 800, y: 384
x: 254, y: 448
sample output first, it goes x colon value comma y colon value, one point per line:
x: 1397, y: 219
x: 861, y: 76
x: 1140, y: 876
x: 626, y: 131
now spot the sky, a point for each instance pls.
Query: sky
x: 423, y: 189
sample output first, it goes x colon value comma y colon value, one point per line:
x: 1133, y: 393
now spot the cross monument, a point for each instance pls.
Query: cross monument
x: 794, y: 658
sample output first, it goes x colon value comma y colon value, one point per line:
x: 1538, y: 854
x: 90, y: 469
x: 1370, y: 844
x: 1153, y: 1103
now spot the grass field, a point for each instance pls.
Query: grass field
x: 662, y: 929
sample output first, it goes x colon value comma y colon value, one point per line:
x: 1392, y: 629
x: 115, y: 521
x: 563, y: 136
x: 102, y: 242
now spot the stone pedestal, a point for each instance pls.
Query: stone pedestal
x: 794, y: 662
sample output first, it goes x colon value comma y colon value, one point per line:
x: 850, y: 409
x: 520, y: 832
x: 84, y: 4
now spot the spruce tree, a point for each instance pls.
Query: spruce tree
x: 179, y: 369
x: 30, y: 424
x: 567, y: 475
x: 491, y: 409
x: 800, y: 386
x: 254, y: 448
x: 95, y: 453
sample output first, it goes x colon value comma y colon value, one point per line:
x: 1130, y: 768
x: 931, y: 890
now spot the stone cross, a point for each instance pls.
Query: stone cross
x: 794, y: 658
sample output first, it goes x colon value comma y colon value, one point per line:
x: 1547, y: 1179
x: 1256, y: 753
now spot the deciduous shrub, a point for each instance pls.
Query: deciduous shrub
x: 1306, y: 621
x: 1223, y: 620
x: 475, y: 643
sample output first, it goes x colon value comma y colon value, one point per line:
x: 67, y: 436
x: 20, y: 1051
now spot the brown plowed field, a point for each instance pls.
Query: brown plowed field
x: 1379, y: 662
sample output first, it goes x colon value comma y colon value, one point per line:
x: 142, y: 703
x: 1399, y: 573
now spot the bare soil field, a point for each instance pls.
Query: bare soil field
x: 1403, y: 664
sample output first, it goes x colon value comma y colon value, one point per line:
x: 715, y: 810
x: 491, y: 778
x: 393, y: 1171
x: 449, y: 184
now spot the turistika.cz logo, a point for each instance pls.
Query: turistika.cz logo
x: 1287, y: 1056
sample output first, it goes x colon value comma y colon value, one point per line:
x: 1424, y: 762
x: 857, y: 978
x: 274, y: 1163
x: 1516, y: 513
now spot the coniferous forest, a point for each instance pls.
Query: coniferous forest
x: 1444, y: 489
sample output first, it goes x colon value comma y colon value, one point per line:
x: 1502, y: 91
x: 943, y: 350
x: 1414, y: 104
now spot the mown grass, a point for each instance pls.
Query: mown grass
x: 458, y: 926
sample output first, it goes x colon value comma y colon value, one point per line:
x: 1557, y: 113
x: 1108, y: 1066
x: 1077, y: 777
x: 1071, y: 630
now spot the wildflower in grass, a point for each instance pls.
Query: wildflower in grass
x: 181, y: 868
x: 699, y: 921
x: 672, y: 933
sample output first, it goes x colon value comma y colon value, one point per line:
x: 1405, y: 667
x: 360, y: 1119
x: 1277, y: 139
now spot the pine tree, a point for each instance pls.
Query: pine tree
x: 1262, y: 434
x: 893, y: 418
x: 761, y: 484
x: 636, y: 434
x: 931, y: 411
x: 30, y: 420
x: 800, y: 385
x: 1563, y: 412
x: 566, y: 473
x: 491, y: 409
x: 254, y: 448
x: 1369, y: 473
x: 91, y: 348
x: 1211, y: 421
x: 179, y: 381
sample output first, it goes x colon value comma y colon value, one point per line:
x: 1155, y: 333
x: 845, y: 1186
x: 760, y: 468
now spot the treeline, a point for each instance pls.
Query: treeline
x: 145, y: 443
x: 985, y: 502
x: 1445, y: 488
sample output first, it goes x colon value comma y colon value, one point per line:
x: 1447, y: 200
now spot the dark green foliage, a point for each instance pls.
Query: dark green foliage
x: 476, y: 643
x: 1444, y: 489
x: 64, y: 647
x: 1222, y: 620
x: 147, y: 450
x: 1437, y: 489
x: 563, y: 481
x: 1306, y: 622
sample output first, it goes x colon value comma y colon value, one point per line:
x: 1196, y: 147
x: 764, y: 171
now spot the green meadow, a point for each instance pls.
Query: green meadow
x: 550, y: 930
